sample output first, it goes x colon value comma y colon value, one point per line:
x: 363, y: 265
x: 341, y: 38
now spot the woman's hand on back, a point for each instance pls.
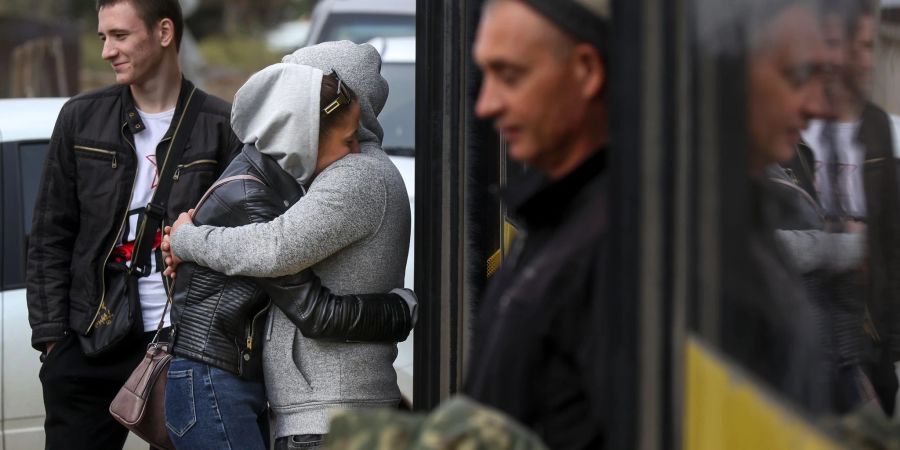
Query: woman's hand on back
x: 171, y: 259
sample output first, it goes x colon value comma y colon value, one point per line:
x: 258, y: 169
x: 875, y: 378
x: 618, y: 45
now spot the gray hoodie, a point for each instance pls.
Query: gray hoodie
x: 352, y: 227
x: 277, y: 109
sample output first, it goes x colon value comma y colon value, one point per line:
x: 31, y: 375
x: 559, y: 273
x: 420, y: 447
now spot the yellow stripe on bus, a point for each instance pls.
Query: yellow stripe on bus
x: 493, y: 263
x: 726, y: 410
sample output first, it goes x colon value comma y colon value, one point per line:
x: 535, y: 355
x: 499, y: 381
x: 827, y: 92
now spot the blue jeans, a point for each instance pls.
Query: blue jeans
x: 209, y: 408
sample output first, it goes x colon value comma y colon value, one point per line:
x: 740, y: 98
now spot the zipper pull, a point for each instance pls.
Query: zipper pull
x: 114, y: 163
x: 177, y: 172
x: 249, y: 343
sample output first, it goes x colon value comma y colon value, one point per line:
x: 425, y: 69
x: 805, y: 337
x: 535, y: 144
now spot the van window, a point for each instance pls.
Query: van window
x: 23, y: 186
x: 398, y: 116
x: 361, y: 28
x: 31, y: 163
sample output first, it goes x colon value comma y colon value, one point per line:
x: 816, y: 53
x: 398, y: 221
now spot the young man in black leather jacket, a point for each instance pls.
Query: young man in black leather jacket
x: 99, y: 173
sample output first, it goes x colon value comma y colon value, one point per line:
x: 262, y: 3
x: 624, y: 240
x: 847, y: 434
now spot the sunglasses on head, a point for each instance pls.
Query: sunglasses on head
x: 341, y: 99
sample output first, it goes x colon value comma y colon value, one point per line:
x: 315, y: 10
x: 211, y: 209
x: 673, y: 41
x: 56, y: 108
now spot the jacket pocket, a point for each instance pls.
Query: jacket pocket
x: 286, y: 385
x: 63, y: 345
x: 97, y: 153
x: 196, y: 165
x: 190, y: 181
x: 319, y: 364
x: 181, y: 414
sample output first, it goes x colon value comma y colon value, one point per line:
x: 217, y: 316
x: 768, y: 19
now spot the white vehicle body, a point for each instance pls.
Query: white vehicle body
x: 361, y: 20
x: 25, y: 129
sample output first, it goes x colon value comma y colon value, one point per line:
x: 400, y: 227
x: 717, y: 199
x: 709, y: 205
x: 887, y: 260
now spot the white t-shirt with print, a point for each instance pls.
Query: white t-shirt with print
x: 850, y: 156
x: 151, y: 288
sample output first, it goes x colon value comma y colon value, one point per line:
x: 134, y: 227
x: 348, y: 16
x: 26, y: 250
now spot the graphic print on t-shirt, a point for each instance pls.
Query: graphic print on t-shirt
x: 155, y: 182
x: 838, y: 161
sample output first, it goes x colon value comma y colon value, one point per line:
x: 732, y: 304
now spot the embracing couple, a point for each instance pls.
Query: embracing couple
x: 296, y: 173
x: 311, y: 188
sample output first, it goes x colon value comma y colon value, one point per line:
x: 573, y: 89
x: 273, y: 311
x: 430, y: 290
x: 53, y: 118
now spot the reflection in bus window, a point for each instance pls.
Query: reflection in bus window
x: 809, y: 303
x: 769, y: 324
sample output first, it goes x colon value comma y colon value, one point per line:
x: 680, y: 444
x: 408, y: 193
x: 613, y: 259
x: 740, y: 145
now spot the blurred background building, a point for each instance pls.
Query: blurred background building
x: 50, y: 48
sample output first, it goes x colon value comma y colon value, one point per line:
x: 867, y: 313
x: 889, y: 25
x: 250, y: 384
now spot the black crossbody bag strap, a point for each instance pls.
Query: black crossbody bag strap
x: 156, y: 209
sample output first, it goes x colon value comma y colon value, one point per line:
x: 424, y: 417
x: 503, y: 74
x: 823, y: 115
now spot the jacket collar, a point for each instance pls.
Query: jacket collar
x: 537, y: 200
x: 273, y: 175
x: 132, y: 119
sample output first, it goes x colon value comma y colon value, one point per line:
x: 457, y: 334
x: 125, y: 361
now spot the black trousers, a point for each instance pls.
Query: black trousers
x: 884, y: 379
x: 78, y: 390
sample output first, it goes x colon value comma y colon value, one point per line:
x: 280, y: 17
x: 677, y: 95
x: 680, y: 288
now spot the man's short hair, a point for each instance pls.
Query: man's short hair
x: 152, y: 11
x: 849, y: 12
x: 583, y: 20
x: 758, y: 14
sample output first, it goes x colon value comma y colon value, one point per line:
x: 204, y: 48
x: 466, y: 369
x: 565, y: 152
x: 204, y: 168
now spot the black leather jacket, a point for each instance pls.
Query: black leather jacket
x: 218, y: 319
x: 85, y: 193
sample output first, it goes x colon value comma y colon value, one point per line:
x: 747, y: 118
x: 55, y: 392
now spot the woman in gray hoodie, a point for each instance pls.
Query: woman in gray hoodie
x: 352, y: 227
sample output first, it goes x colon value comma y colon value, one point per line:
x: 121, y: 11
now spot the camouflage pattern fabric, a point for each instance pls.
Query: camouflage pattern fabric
x: 867, y: 428
x: 457, y: 424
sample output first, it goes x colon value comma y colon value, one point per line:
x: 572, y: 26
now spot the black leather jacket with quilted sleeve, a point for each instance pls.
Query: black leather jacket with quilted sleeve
x: 218, y: 319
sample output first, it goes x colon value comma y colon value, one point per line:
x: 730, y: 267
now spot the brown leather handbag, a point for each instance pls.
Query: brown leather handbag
x: 140, y: 403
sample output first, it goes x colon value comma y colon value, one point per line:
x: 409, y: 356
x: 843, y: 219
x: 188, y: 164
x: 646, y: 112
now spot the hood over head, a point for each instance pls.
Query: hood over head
x: 277, y: 110
x: 359, y: 65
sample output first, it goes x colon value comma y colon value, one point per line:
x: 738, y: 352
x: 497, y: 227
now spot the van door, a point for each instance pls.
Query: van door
x: 21, y: 405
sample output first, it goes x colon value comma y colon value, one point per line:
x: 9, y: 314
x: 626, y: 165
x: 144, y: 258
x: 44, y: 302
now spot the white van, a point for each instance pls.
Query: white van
x: 25, y: 128
x: 361, y: 20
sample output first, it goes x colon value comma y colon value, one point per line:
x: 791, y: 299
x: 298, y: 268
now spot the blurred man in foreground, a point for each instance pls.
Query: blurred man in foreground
x: 535, y: 352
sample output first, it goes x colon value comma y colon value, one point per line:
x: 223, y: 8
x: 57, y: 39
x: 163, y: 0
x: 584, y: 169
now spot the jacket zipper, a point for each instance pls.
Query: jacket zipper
x: 100, y: 151
x: 125, y: 216
x: 102, y: 304
x: 189, y: 165
x: 250, y: 329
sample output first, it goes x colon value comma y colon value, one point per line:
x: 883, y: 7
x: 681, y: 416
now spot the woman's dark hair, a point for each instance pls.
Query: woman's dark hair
x: 152, y: 11
x: 330, y: 95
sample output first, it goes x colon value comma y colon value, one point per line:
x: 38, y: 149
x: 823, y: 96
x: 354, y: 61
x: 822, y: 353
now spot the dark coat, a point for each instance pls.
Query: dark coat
x: 769, y: 325
x: 85, y: 193
x: 839, y: 296
x: 533, y: 355
x: 861, y: 309
x: 878, y: 293
x: 880, y: 182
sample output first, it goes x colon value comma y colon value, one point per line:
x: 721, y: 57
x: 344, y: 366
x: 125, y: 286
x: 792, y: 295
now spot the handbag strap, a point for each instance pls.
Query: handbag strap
x: 162, y: 320
x: 223, y: 181
x: 156, y: 209
x: 206, y: 195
